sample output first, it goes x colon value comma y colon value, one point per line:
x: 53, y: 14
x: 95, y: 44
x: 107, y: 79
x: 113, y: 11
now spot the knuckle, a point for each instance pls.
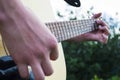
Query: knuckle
x: 42, y: 54
x: 53, y: 43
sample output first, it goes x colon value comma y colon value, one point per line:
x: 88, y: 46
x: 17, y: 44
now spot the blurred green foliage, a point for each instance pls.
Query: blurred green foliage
x: 87, y: 59
x: 93, y: 60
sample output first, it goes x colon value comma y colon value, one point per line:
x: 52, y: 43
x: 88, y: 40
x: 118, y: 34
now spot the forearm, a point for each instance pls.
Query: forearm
x: 80, y: 38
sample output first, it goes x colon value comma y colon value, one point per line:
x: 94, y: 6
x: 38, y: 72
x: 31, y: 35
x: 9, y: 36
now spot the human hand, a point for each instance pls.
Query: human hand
x: 101, y: 34
x: 29, y: 43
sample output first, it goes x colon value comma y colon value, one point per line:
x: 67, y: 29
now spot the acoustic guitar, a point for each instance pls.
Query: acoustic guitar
x: 62, y: 30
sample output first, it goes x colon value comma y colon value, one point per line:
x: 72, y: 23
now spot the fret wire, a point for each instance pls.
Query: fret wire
x: 76, y: 26
x: 86, y: 26
x: 72, y: 32
x: 60, y: 31
x: 62, y: 37
x: 64, y: 30
x: 52, y: 28
x: 57, y: 29
x: 69, y: 29
x: 60, y: 34
x: 80, y: 26
x: 92, y: 26
x: 84, y: 22
x: 57, y: 26
x: 48, y: 25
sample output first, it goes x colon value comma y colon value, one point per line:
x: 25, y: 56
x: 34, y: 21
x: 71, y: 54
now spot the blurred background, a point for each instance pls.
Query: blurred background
x: 92, y: 60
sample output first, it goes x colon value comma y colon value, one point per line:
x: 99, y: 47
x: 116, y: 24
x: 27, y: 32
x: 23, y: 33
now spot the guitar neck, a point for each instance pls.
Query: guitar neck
x: 64, y: 30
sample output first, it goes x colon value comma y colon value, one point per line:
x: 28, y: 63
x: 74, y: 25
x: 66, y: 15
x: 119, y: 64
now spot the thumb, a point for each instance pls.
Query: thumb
x: 96, y: 15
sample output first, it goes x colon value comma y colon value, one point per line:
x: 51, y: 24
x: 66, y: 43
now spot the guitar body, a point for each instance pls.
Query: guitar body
x: 62, y: 30
x: 2, y: 51
x: 44, y: 12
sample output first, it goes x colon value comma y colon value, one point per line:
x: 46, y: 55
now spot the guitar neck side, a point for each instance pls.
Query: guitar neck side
x: 64, y: 30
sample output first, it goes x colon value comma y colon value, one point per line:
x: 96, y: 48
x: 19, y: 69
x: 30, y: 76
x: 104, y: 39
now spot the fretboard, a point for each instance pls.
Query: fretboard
x: 64, y: 30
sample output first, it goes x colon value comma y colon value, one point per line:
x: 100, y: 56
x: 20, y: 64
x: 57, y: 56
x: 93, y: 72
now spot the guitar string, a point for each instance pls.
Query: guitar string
x: 59, y: 28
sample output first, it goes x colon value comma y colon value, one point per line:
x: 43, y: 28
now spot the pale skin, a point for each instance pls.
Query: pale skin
x: 30, y: 42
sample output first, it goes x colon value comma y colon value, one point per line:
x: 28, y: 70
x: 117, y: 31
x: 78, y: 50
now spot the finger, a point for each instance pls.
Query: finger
x: 103, y: 26
x: 37, y: 71
x: 96, y: 15
x: 2, y: 17
x: 47, y: 67
x: 23, y: 70
x: 105, y: 38
x: 104, y: 29
x: 54, y: 54
x: 102, y: 23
